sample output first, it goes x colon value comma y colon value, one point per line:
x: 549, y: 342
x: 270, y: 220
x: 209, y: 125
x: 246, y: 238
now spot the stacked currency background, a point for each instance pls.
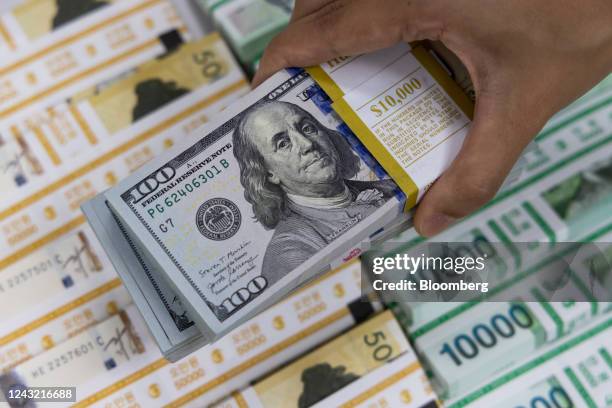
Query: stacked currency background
x: 91, y: 90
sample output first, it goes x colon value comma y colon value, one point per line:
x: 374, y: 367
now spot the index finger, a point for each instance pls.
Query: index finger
x: 302, y: 8
x: 343, y: 28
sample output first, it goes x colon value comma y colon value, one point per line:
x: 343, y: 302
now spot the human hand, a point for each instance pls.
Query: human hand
x: 527, y: 60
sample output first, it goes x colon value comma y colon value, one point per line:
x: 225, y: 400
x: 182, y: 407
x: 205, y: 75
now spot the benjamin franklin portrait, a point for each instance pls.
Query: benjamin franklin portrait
x: 298, y: 176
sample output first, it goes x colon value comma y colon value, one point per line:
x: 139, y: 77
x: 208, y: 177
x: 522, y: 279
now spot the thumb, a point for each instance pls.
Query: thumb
x: 499, y: 133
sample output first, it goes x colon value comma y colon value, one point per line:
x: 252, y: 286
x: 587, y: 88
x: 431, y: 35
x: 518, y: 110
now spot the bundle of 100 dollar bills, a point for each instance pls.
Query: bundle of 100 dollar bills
x: 273, y: 193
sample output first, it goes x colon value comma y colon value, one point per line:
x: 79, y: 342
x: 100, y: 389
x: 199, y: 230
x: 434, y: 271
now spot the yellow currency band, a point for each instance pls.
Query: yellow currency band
x: 85, y: 128
x: 380, y: 153
x: 324, y: 81
x: 240, y: 401
x: 41, y: 242
x: 132, y: 142
x: 446, y: 82
x: 60, y: 311
x: 79, y: 76
x: 78, y: 36
x: 365, y: 135
x: 237, y: 370
x: 6, y: 36
x: 381, y: 386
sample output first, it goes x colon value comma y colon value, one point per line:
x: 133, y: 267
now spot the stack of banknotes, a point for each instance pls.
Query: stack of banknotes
x: 278, y: 189
x: 96, y: 91
x: 117, y: 363
x: 55, y: 279
x: 86, y: 126
x: 557, y: 217
x: 575, y: 372
x: 371, y: 362
x: 90, y: 91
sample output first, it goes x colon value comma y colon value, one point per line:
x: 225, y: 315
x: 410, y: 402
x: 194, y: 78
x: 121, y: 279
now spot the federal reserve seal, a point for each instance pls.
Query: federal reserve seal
x: 218, y: 219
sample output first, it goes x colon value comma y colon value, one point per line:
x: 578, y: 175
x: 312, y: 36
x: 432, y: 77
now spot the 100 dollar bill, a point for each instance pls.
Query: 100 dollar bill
x: 166, y: 317
x: 267, y: 198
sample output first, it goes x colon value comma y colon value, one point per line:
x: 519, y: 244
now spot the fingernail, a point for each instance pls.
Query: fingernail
x: 436, y: 223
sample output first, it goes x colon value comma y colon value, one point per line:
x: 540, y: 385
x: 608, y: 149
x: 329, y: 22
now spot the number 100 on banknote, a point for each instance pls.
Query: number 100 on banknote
x: 267, y: 198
